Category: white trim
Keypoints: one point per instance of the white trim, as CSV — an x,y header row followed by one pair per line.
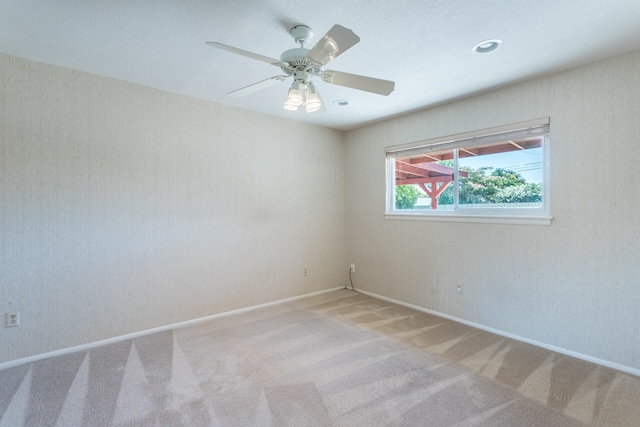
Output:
x,y
112,340
483,219
35,358
607,363
440,141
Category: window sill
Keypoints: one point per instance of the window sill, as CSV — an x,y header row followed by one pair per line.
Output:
x,y
482,219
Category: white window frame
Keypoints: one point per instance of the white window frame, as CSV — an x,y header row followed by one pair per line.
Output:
x,y
498,215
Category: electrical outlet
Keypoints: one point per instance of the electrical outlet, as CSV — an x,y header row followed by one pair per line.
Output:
x,y
353,268
12,319
305,273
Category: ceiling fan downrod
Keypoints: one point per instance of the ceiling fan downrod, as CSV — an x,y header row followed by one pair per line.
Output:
x,y
301,34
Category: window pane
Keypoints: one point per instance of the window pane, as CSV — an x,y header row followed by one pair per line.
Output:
x,y
504,174
421,181
499,175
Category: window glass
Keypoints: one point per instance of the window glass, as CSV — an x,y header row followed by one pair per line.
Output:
x,y
507,174
500,174
421,180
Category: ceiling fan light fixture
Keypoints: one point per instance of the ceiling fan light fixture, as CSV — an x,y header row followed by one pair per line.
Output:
x,y
310,108
312,100
295,95
289,106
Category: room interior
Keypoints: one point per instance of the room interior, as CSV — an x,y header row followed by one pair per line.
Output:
x,y
136,196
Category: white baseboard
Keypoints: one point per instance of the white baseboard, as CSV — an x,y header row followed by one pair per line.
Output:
x,y
94,344
608,364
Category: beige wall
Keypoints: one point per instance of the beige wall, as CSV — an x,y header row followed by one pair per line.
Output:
x,y
574,284
124,208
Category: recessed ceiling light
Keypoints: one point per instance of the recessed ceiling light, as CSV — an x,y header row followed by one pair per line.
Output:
x,y
487,46
341,102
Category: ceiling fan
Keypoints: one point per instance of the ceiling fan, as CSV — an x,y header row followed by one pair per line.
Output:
x,y
302,64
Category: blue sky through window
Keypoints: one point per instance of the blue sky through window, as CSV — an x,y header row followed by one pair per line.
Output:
x,y
528,163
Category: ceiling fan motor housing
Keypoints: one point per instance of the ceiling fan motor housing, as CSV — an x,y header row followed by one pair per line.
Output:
x,y
297,58
298,62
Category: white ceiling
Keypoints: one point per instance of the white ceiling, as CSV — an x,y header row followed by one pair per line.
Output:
x,y
423,45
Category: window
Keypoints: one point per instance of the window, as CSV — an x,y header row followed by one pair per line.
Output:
x,y
496,175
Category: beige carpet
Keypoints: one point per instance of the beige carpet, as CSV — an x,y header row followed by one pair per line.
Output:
x,y
337,359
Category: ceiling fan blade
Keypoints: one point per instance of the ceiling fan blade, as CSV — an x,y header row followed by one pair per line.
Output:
x,y
355,81
337,40
246,53
247,90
